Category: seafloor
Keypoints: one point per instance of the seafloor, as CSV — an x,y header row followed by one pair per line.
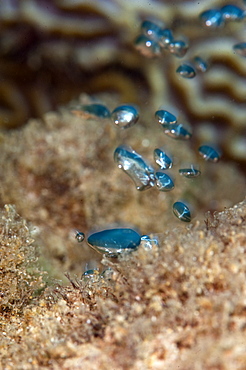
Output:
x,y
177,306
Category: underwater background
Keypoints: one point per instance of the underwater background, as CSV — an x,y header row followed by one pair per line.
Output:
x,y
177,303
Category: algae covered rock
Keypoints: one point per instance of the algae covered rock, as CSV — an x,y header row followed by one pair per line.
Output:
x,y
178,305
20,276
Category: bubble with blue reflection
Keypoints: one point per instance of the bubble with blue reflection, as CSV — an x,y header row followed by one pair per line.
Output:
x,y
178,48
181,211
190,172
151,30
125,116
97,110
163,117
165,38
209,153
162,159
135,167
80,236
163,181
186,71
212,18
147,47
177,131
200,64
113,242
232,12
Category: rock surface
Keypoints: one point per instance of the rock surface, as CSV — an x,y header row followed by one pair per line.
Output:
x,y
179,305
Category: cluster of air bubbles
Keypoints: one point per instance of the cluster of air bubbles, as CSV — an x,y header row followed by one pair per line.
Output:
x,y
143,174
155,38
115,242
137,168
112,243
172,128
189,69
215,18
123,116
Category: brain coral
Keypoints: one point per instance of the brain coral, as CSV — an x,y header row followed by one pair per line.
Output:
x,y
51,50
